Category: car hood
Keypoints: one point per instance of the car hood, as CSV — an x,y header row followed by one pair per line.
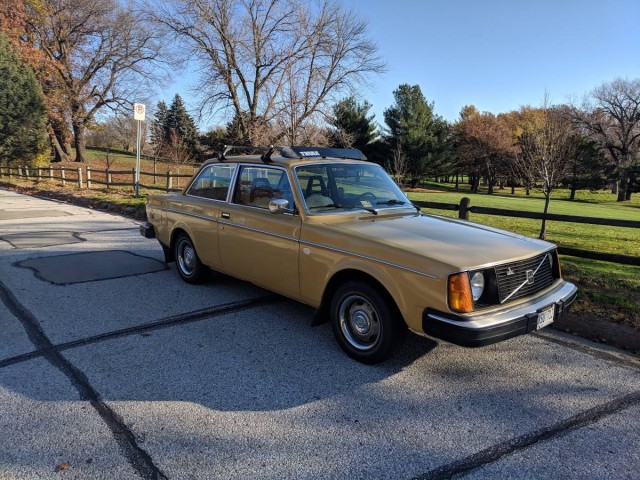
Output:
x,y
458,243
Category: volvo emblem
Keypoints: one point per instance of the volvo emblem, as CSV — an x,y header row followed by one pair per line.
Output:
x,y
530,277
510,272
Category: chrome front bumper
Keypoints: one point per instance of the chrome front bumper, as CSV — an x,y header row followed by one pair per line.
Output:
x,y
498,324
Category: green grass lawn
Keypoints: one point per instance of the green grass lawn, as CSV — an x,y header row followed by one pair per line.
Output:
x,y
606,290
588,237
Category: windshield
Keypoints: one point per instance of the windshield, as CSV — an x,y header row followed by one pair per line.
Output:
x,y
327,187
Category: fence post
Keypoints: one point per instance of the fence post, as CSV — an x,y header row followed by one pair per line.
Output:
x,y
133,176
39,174
26,169
62,175
465,205
19,171
50,173
79,177
169,181
108,178
10,172
88,177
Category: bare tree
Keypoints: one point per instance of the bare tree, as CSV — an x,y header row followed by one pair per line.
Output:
x,y
102,55
279,61
400,165
546,148
611,114
116,132
177,152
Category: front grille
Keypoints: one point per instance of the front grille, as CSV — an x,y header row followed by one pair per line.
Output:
x,y
512,276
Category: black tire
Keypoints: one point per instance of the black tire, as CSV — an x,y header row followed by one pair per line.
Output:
x,y
188,264
365,323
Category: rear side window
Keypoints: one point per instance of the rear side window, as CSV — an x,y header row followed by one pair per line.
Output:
x,y
257,186
212,182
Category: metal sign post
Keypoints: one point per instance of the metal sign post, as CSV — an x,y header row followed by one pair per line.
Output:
x,y
138,115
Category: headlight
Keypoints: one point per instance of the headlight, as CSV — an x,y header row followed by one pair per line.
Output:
x,y
477,285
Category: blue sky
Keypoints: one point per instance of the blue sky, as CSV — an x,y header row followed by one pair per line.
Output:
x,y
495,54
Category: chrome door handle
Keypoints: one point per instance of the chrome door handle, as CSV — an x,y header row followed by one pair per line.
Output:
x,y
225,215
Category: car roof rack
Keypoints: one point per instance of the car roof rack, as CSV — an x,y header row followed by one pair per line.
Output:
x,y
246,148
296,152
322,152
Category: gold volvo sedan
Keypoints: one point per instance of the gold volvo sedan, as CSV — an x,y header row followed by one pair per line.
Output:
x,y
327,228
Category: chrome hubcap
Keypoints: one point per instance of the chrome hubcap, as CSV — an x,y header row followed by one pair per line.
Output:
x,y
186,257
359,322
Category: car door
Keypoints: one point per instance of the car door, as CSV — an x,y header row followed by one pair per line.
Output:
x,y
255,244
204,199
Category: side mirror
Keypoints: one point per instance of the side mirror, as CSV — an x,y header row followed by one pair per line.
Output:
x,y
279,205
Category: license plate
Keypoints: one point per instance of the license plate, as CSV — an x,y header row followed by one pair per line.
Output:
x,y
545,317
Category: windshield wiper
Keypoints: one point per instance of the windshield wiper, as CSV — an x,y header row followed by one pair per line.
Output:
x,y
346,207
393,201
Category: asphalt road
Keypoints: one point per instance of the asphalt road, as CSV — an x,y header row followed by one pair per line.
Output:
x,y
111,367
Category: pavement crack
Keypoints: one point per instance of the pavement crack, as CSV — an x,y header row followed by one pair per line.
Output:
x,y
494,453
137,457
180,319
167,322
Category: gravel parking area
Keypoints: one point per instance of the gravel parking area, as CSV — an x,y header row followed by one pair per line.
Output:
x,y
112,367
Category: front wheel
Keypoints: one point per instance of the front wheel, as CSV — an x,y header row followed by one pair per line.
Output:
x,y
365,323
188,263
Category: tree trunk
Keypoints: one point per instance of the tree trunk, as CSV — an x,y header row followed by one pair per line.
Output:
x,y
630,185
543,228
476,184
63,136
622,187
456,181
79,141
59,155
572,197
491,183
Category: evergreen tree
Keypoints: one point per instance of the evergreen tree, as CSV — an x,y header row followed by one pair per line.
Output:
x,y
22,108
416,130
180,124
353,127
159,126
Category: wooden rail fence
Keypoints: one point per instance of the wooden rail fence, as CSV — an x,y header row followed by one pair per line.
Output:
x,y
86,177
464,208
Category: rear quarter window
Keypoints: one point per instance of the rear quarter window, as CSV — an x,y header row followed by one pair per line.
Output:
x,y
212,182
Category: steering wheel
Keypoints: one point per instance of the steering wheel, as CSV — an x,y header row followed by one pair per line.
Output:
x,y
367,195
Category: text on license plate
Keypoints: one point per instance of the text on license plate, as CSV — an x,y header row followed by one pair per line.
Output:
x,y
545,317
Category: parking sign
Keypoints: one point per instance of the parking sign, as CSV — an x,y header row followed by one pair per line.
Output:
x,y
138,111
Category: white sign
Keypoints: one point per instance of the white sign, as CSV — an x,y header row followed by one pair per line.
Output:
x,y
138,111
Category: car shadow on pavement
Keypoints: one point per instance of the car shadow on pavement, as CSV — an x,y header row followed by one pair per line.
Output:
x,y
267,358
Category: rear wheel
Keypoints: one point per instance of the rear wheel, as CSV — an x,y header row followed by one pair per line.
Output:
x,y
188,263
365,323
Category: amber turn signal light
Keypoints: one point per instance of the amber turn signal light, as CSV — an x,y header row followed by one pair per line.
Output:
x,y
460,293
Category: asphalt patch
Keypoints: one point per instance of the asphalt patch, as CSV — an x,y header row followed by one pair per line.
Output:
x,y
28,213
91,266
41,239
